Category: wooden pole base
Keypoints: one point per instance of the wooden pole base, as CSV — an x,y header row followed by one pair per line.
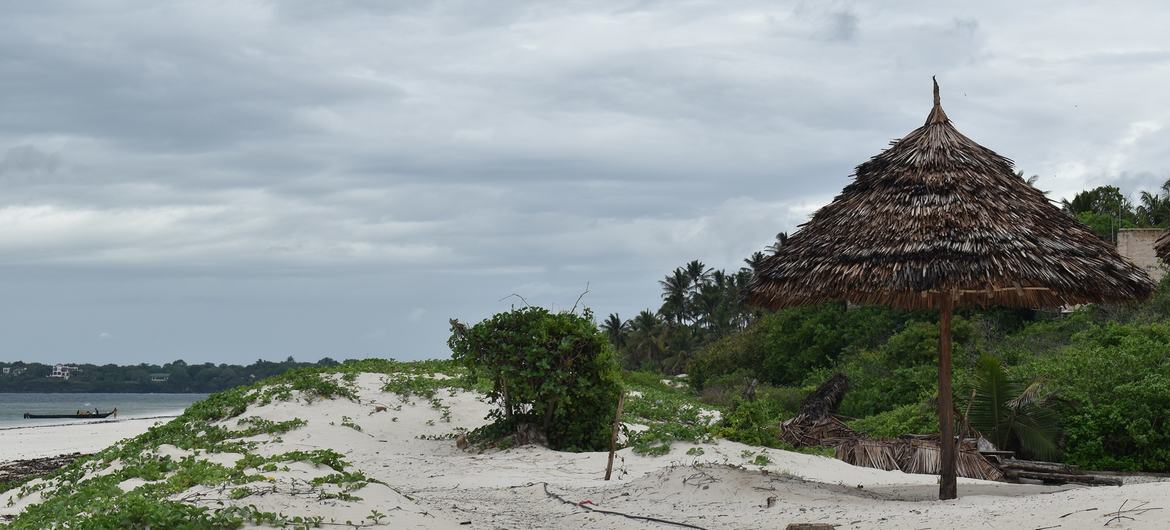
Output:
x,y
948,486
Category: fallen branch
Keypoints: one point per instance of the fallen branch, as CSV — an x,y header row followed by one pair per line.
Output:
x,y
626,515
1078,511
1122,513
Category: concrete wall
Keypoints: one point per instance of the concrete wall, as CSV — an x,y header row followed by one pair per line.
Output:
x,y
1137,244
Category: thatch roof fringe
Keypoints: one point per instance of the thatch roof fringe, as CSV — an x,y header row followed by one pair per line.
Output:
x,y
1162,246
937,215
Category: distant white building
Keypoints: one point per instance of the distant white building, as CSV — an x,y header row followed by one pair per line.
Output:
x,y
62,371
159,378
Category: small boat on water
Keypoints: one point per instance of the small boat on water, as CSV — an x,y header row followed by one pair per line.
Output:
x,y
79,415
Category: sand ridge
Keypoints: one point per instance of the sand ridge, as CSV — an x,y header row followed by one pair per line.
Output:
x,y
422,480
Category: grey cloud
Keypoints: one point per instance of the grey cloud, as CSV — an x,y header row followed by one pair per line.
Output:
x,y
264,178
842,26
27,159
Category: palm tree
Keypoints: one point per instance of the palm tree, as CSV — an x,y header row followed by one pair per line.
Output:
x,y
754,261
1013,416
615,328
698,273
674,295
781,240
647,339
1154,209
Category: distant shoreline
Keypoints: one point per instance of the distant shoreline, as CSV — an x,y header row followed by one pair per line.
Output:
x,y
94,422
29,392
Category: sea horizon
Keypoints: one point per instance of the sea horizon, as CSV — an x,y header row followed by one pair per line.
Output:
x,y
13,405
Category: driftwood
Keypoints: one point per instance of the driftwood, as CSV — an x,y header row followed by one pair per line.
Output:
x,y
1011,464
1062,478
1052,472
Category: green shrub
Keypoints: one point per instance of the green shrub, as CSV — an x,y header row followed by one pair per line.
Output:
x,y
555,371
907,419
753,423
1129,430
1116,379
781,348
876,387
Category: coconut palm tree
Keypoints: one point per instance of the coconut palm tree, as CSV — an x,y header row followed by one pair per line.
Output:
x,y
1154,208
1012,416
675,290
698,273
753,262
647,340
781,240
615,328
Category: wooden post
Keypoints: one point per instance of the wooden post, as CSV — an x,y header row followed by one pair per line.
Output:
x,y
613,434
948,488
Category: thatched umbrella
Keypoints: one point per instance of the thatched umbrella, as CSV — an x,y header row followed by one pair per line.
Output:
x,y
935,222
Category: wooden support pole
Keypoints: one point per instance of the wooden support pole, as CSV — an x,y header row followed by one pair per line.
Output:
x,y
948,488
617,418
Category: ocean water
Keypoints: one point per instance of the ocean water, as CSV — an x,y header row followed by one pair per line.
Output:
x,y
13,406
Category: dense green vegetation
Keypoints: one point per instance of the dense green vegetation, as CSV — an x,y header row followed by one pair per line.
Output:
x,y
173,377
1106,209
1091,387
553,371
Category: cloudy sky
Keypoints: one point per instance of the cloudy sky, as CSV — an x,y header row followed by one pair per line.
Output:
x,y
240,179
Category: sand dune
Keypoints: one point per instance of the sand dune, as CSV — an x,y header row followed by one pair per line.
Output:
x,y
430,483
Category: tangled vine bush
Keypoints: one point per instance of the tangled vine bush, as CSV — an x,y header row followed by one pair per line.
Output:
x,y
551,371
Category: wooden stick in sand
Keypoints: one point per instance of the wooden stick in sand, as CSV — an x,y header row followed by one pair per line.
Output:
x,y
613,435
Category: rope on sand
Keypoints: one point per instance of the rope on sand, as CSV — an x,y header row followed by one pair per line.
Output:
x,y
626,515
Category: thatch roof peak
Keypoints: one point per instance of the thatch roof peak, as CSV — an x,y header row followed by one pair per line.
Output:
x,y
936,114
936,215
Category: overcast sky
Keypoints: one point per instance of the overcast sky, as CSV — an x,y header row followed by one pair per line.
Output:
x,y
226,181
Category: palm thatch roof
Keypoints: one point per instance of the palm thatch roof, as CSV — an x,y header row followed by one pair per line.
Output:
x,y
939,215
1162,246
915,454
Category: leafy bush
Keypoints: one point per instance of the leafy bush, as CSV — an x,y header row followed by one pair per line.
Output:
x,y
753,422
1129,431
781,348
878,385
1116,378
915,418
555,371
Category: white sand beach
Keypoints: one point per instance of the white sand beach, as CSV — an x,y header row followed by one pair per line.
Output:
x,y
38,441
431,483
